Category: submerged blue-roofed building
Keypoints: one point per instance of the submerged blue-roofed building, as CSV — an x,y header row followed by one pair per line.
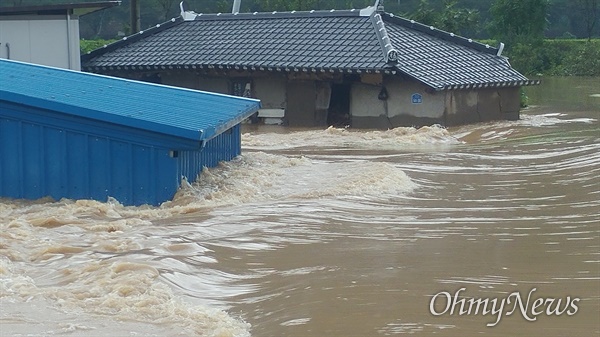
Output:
x,y
67,134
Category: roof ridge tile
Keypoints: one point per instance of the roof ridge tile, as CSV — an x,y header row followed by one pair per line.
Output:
x,y
390,54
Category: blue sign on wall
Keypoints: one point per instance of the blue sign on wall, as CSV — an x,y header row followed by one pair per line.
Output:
x,y
417,98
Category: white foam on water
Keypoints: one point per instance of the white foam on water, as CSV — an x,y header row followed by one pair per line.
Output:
x,y
119,291
39,318
59,267
130,291
260,176
297,321
499,130
343,138
252,177
12,283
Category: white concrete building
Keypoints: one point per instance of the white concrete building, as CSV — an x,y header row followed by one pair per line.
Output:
x,y
46,35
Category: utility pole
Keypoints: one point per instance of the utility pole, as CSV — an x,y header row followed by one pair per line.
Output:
x,y
135,16
236,6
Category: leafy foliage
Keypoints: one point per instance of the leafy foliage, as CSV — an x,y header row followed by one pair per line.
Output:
x,y
449,18
566,18
559,57
454,19
584,60
87,46
519,21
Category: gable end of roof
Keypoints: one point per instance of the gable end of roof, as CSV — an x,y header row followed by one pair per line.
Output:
x,y
131,39
438,33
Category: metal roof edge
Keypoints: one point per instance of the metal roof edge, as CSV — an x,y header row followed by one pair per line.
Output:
x,y
131,39
59,120
88,7
196,135
219,129
99,116
431,30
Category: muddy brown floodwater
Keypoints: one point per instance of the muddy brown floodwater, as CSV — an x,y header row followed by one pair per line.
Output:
x,y
335,233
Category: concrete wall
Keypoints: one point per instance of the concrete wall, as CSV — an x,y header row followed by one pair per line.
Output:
x,y
472,106
214,84
50,40
369,109
191,80
400,102
408,102
301,103
271,91
366,110
180,79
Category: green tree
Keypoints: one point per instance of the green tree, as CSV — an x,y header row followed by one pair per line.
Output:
x,y
424,14
165,7
519,21
449,18
589,9
453,19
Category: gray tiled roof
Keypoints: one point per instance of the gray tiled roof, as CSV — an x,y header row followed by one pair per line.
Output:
x,y
446,62
340,41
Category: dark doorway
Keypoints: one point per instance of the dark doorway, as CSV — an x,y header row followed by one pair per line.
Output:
x,y
339,105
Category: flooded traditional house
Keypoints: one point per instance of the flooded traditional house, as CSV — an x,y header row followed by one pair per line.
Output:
x,y
363,68
45,34
77,135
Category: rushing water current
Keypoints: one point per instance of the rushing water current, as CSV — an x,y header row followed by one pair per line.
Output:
x,y
333,232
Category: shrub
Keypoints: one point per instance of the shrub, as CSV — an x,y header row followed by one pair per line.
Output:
x,y
584,61
87,46
557,57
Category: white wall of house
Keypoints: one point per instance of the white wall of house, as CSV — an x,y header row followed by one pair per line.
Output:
x,y
271,91
214,84
364,101
304,102
181,79
405,98
51,40
411,98
472,106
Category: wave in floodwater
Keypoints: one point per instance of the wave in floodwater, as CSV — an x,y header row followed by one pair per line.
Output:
x,y
83,262
252,177
126,291
503,130
67,265
62,271
260,176
331,137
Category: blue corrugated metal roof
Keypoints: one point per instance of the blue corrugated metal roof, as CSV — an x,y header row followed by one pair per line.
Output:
x,y
178,112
